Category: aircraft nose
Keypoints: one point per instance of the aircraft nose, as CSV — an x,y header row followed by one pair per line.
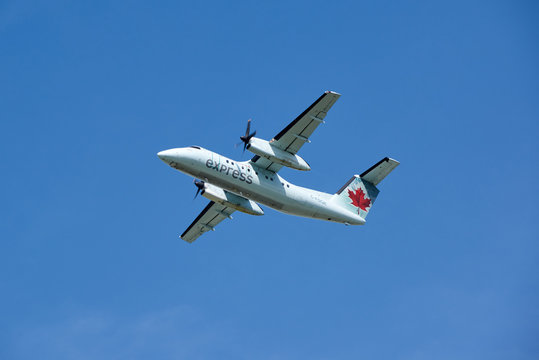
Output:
x,y
166,155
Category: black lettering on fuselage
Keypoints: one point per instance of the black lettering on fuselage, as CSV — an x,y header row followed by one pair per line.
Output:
x,y
235,173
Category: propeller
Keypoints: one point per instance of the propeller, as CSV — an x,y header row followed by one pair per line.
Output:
x,y
247,137
200,186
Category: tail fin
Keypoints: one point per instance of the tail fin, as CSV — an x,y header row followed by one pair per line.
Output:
x,y
360,192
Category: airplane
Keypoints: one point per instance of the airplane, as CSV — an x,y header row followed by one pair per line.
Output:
x,y
232,185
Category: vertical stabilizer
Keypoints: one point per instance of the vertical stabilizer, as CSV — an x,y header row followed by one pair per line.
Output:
x,y
360,192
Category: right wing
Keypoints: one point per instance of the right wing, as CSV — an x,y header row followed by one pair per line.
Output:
x,y
207,220
297,133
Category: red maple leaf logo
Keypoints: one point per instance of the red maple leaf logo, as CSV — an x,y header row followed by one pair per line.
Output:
x,y
359,199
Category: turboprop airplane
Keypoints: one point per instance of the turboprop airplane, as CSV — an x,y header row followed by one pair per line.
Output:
x,y
239,185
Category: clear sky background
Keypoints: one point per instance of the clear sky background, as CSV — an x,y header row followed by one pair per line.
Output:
x,y
91,266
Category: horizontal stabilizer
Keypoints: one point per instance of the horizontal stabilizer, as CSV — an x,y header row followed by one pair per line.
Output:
x,y
379,171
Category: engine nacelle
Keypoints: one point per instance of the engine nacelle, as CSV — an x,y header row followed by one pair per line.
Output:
x,y
221,196
265,149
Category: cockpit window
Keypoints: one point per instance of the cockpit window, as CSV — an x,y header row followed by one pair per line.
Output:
x,y
195,147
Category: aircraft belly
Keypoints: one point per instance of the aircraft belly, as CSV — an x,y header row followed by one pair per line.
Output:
x,y
251,191
293,200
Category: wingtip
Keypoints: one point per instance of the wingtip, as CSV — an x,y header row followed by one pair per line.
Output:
x,y
186,240
332,92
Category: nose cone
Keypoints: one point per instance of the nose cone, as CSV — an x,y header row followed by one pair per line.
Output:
x,y
167,155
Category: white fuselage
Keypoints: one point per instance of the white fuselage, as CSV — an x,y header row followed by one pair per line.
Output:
x,y
264,187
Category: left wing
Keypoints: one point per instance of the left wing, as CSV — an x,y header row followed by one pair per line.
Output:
x,y
297,133
207,220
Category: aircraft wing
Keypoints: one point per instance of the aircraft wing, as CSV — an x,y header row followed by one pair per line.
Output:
x,y
297,133
207,220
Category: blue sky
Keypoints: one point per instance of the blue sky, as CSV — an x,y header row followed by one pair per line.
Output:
x,y
91,266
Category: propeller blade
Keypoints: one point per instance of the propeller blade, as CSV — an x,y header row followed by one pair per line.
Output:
x,y
200,185
247,137
248,128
